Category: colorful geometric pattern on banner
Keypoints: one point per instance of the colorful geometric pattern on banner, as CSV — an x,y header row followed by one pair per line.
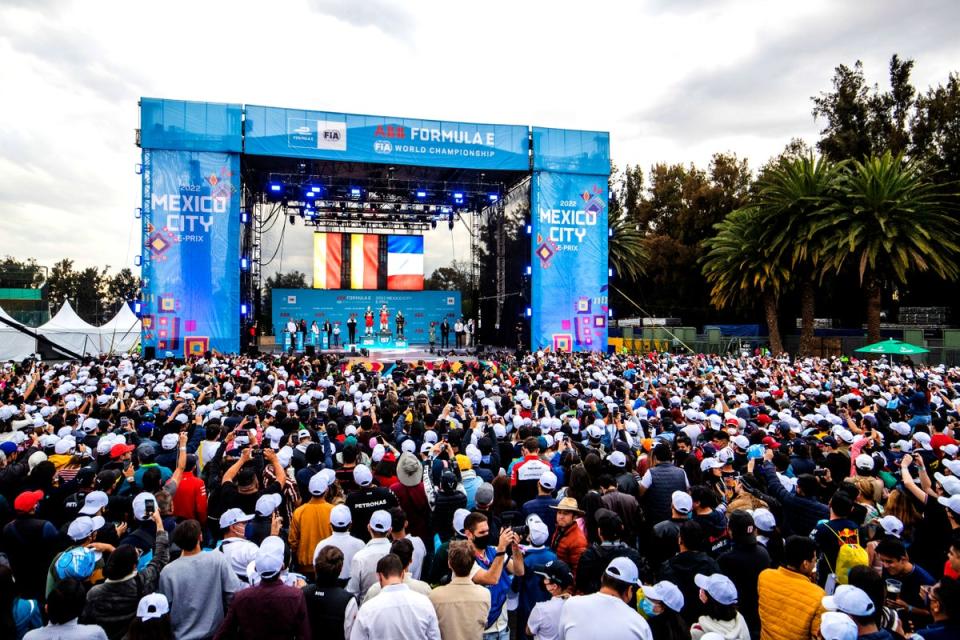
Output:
x,y
420,308
349,137
191,243
569,255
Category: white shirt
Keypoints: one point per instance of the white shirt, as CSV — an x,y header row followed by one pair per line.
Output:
x,y
345,542
544,619
398,614
291,327
419,553
363,568
580,616
239,552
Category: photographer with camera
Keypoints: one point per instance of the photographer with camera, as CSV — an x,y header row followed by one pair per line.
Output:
x,y
494,568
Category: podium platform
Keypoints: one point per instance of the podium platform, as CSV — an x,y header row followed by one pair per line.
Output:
x,y
383,340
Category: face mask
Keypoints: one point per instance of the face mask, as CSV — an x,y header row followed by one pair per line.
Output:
x,y
648,608
481,542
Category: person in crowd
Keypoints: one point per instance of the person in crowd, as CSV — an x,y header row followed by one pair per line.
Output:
x,y
568,540
944,604
790,588
543,622
363,566
310,524
340,524
30,544
719,597
331,608
462,606
152,619
857,604
598,555
662,604
683,568
403,549
270,608
64,606
659,483
743,562
196,572
494,568
582,616
17,615
113,603
398,612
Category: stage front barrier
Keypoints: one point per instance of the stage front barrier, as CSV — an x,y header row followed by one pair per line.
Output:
x,y
419,308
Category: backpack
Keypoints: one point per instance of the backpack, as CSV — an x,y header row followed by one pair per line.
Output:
x,y
851,554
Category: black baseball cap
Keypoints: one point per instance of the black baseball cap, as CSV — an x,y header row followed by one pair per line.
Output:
x,y
556,571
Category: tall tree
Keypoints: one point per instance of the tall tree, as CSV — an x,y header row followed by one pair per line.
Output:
x,y
89,295
20,274
739,269
795,199
860,120
891,221
61,284
120,288
935,128
455,277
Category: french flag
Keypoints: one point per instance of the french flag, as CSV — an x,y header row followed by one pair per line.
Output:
x,y
405,263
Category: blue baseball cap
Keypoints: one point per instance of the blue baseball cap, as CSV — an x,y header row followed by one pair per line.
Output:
x,y
77,563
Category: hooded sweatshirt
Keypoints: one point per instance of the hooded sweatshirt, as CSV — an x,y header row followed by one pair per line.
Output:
x,y
735,629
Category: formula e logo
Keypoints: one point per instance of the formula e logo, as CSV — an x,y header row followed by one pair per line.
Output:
x,y
382,146
302,131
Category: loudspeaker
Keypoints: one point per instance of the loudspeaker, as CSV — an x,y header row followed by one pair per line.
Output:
x,y
150,353
311,350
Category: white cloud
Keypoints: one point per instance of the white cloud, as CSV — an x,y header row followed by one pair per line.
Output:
x,y
672,81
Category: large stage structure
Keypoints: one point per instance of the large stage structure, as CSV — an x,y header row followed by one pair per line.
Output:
x,y
216,176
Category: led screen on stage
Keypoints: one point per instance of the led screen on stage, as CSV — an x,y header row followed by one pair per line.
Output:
x,y
367,261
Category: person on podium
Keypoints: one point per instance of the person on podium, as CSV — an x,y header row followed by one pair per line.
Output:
x,y
368,322
399,320
352,328
444,334
328,329
384,319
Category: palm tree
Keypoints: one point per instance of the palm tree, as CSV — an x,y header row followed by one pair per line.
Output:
x,y
793,198
625,247
891,220
737,267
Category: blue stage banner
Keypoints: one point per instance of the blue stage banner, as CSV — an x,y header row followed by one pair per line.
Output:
x,y
419,308
569,255
325,135
191,244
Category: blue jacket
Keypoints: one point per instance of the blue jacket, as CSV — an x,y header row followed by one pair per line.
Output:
x,y
800,513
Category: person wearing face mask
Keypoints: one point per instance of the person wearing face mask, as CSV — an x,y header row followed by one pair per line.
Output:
x,y
545,616
494,568
581,615
662,604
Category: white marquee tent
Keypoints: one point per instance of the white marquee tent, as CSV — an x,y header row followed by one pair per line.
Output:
x,y
70,331
122,333
14,345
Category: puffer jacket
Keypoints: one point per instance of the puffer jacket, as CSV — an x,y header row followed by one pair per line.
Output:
x,y
782,590
569,543
113,604
735,629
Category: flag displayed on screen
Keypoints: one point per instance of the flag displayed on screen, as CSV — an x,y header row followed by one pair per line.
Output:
x,y
327,260
363,260
405,263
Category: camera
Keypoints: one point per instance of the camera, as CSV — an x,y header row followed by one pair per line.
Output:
x,y
522,530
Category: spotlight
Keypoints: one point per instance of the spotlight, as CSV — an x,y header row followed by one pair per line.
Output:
x,y
244,263
610,272
529,312
529,229
137,307
244,217
276,187
354,192
494,197
421,194
529,270
458,197
244,309
314,189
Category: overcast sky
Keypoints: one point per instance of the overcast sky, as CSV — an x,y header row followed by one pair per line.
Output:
x,y
671,80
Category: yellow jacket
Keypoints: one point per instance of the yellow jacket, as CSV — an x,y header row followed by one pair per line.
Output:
x,y
790,605
310,524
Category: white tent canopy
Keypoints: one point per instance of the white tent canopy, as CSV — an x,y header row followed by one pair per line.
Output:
x,y
14,345
70,331
121,334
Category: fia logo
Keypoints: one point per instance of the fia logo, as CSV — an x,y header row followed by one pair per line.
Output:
x,y
382,146
331,135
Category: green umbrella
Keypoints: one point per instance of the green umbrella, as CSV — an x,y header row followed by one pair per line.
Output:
x,y
892,347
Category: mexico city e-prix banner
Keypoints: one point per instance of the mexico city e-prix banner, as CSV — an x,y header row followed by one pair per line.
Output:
x,y
191,240
569,270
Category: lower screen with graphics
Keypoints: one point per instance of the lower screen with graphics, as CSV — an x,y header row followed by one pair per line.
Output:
x,y
367,261
419,308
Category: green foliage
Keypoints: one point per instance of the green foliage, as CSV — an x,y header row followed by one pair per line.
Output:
x,y
20,274
455,277
291,280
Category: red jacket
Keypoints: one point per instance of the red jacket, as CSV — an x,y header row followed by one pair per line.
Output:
x,y
190,500
569,545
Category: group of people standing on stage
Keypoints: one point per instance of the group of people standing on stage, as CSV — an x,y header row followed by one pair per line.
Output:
x,y
464,331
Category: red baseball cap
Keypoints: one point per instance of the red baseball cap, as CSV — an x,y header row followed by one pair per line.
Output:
x,y
27,500
770,442
120,449
764,419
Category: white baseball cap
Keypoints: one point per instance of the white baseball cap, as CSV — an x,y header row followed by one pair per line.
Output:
x,y
232,516
380,521
624,570
318,484
666,592
617,459
764,520
83,527
837,626
140,505
362,475
864,461
710,463
950,484
152,606
850,600
718,586
548,480
170,441
94,502
268,503
891,525
682,502
340,516
269,558
952,503
538,530
458,518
